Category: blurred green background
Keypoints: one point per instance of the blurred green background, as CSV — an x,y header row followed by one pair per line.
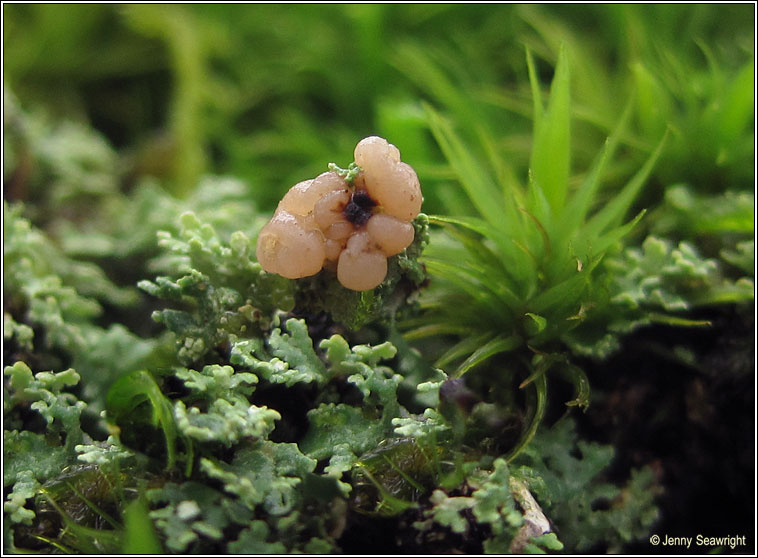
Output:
x,y
271,93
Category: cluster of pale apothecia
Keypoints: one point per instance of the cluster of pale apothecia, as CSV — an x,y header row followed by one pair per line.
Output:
x,y
326,221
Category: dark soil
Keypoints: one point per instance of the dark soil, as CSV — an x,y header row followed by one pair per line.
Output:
x,y
693,423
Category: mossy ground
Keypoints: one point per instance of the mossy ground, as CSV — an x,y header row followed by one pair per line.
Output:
x,y
147,145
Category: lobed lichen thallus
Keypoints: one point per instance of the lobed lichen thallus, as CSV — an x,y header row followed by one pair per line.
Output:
x,y
327,221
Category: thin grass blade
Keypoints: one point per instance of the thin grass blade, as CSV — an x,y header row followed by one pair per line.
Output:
x,y
579,205
568,290
479,186
473,283
514,265
535,85
613,213
484,259
487,351
540,390
464,347
610,238
551,152
432,330
581,383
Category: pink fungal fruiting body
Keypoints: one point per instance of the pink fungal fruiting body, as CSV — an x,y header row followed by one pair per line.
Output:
x,y
328,221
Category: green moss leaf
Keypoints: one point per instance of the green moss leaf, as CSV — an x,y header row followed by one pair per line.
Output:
x,y
742,257
225,421
572,488
61,410
254,540
539,545
392,477
193,512
265,474
551,153
139,535
25,487
296,349
229,295
673,279
285,358
429,425
334,425
27,452
685,212
22,333
136,398
447,510
227,416
217,382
